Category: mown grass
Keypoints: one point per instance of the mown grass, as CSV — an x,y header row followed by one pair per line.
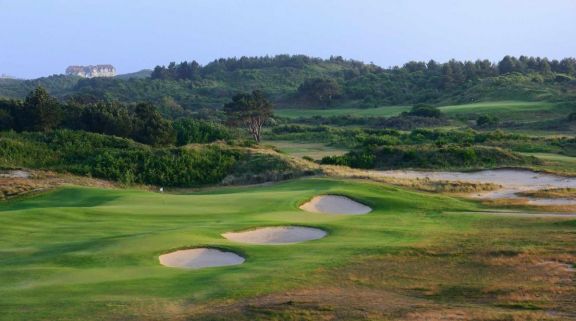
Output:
x,y
385,111
505,110
91,254
500,107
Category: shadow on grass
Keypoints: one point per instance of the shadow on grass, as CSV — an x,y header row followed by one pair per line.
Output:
x,y
64,197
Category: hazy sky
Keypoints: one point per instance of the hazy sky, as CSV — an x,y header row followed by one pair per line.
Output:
x,y
43,37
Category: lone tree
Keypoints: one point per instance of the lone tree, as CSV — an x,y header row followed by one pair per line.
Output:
x,y
249,110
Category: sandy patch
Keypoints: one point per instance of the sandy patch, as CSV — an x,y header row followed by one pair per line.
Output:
x,y
276,235
334,204
200,258
14,174
513,182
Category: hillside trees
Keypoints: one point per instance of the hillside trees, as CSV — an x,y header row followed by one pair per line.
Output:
x,y
320,90
178,89
40,112
250,111
190,131
105,118
150,128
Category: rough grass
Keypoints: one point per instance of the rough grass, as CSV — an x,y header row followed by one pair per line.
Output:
x,y
555,163
551,193
315,151
385,111
41,181
524,203
461,277
262,165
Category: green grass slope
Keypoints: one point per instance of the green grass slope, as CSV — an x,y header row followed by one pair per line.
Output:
x,y
91,254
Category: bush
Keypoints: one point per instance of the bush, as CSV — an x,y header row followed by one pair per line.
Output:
x,y
116,158
487,121
190,131
430,157
425,111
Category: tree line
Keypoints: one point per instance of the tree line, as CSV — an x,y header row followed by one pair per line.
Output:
x,y
141,122
193,70
319,83
414,82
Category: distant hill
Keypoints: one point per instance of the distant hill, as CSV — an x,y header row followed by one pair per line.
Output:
x,y
297,80
57,85
144,73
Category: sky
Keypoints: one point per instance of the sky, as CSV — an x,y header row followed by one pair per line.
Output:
x,y
43,37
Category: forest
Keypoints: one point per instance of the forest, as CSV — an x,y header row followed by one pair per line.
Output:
x,y
320,83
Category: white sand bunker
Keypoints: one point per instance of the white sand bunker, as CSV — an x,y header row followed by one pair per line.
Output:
x,y
334,204
276,235
200,258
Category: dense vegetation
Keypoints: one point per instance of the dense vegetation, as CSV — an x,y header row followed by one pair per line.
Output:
x,y
168,110
299,79
430,157
140,122
426,148
115,158
403,122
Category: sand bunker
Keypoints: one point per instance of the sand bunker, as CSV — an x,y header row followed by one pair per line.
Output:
x,y
200,258
276,235
333,204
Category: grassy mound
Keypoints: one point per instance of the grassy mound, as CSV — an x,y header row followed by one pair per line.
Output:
x,y
264,165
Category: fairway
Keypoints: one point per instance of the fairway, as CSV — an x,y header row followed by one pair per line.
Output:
x,y
499,107
94,253
511,110
386,111
519,110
